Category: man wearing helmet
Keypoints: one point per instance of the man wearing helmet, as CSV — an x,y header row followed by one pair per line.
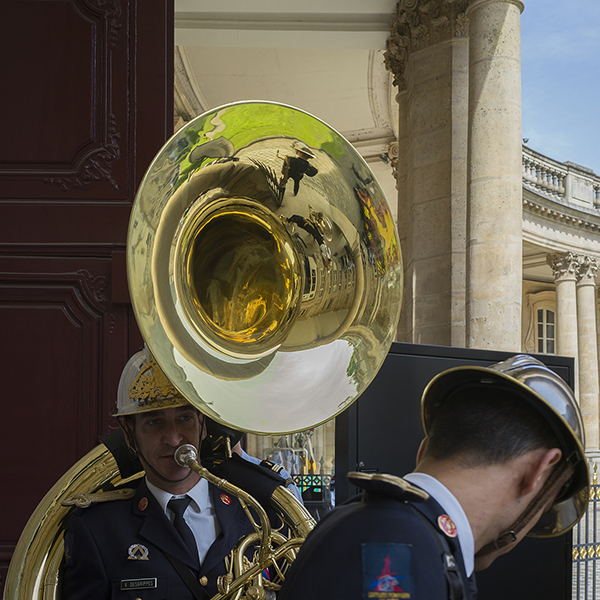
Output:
x,y
171,536
503,458
157,420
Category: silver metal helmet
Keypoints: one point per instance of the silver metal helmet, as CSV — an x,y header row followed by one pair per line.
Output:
x,y
144,387
302,147
551,396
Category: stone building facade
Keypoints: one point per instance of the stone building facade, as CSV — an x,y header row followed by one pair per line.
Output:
x,y
501,244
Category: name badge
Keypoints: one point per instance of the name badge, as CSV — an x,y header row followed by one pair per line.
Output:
x,y
138,584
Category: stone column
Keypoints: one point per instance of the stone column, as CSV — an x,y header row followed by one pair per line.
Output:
x,y
588,349
565,268
428,54
403,215
494,185
598,324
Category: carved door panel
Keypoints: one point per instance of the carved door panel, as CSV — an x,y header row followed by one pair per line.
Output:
x,y
86,104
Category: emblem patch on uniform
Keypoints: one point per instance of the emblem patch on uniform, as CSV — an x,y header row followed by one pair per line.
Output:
x,y
137,552
143,504
386,571
138,584
446,524
225,499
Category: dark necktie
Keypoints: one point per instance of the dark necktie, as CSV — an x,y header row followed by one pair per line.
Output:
x,y
178,506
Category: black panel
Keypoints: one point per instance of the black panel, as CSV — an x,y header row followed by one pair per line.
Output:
x,y
382,432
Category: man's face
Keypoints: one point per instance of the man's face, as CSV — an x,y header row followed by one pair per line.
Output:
x,y
158,434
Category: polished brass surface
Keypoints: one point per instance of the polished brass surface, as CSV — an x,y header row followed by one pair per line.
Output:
x,y
264,267
266,279
33,570
283,554
273,546
237,281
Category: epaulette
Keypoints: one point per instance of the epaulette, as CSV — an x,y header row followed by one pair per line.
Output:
x,y
85,500
276,468
391,486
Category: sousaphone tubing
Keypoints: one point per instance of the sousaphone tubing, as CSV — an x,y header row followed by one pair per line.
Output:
x,y
266,278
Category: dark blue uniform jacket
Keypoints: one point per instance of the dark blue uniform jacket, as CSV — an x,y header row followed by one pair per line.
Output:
x,y
379,547
101,539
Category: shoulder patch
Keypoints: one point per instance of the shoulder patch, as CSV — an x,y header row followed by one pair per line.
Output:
x,y
85,500
388,485
386,571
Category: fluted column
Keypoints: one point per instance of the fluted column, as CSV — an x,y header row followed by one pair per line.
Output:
x,y
565,267
587,349
404,230
494,185
428,54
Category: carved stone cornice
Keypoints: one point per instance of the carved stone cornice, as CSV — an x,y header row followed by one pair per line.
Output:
x,y
419,24
578,219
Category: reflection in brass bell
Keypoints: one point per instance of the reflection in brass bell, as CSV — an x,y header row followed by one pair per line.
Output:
x,y
264,267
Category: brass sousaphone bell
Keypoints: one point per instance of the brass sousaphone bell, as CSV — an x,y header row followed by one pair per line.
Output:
x,y
264,267
265,274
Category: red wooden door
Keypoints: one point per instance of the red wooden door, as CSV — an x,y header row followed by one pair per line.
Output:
x,y
86,104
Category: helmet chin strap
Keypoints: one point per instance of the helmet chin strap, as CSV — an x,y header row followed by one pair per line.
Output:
x,y
563,472
132,445
147,465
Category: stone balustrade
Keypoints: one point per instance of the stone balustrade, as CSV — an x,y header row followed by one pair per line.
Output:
x,y
566,181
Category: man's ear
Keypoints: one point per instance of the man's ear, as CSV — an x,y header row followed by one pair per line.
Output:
x,y
421,451
128,430
542,464
203,430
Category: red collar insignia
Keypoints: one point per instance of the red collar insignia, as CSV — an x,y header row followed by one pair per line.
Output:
x,y
446,524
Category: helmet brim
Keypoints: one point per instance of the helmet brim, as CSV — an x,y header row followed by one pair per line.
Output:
x,y
548,394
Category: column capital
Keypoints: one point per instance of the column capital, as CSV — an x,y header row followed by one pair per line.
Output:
x,y
565,265
420,24
588,267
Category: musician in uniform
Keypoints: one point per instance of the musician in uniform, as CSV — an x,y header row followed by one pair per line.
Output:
x,y
503,457
296,167
172,536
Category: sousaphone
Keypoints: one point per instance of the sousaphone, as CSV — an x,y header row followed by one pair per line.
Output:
x,y
266,278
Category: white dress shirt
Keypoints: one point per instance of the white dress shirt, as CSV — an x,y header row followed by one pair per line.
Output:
x,y
199,515
442,495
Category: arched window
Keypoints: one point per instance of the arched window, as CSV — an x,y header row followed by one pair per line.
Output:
x,y
539,323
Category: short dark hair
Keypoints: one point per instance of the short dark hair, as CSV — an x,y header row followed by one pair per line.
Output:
x,y
486,426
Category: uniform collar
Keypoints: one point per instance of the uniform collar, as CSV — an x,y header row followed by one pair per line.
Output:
x,y
442,495
199,495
